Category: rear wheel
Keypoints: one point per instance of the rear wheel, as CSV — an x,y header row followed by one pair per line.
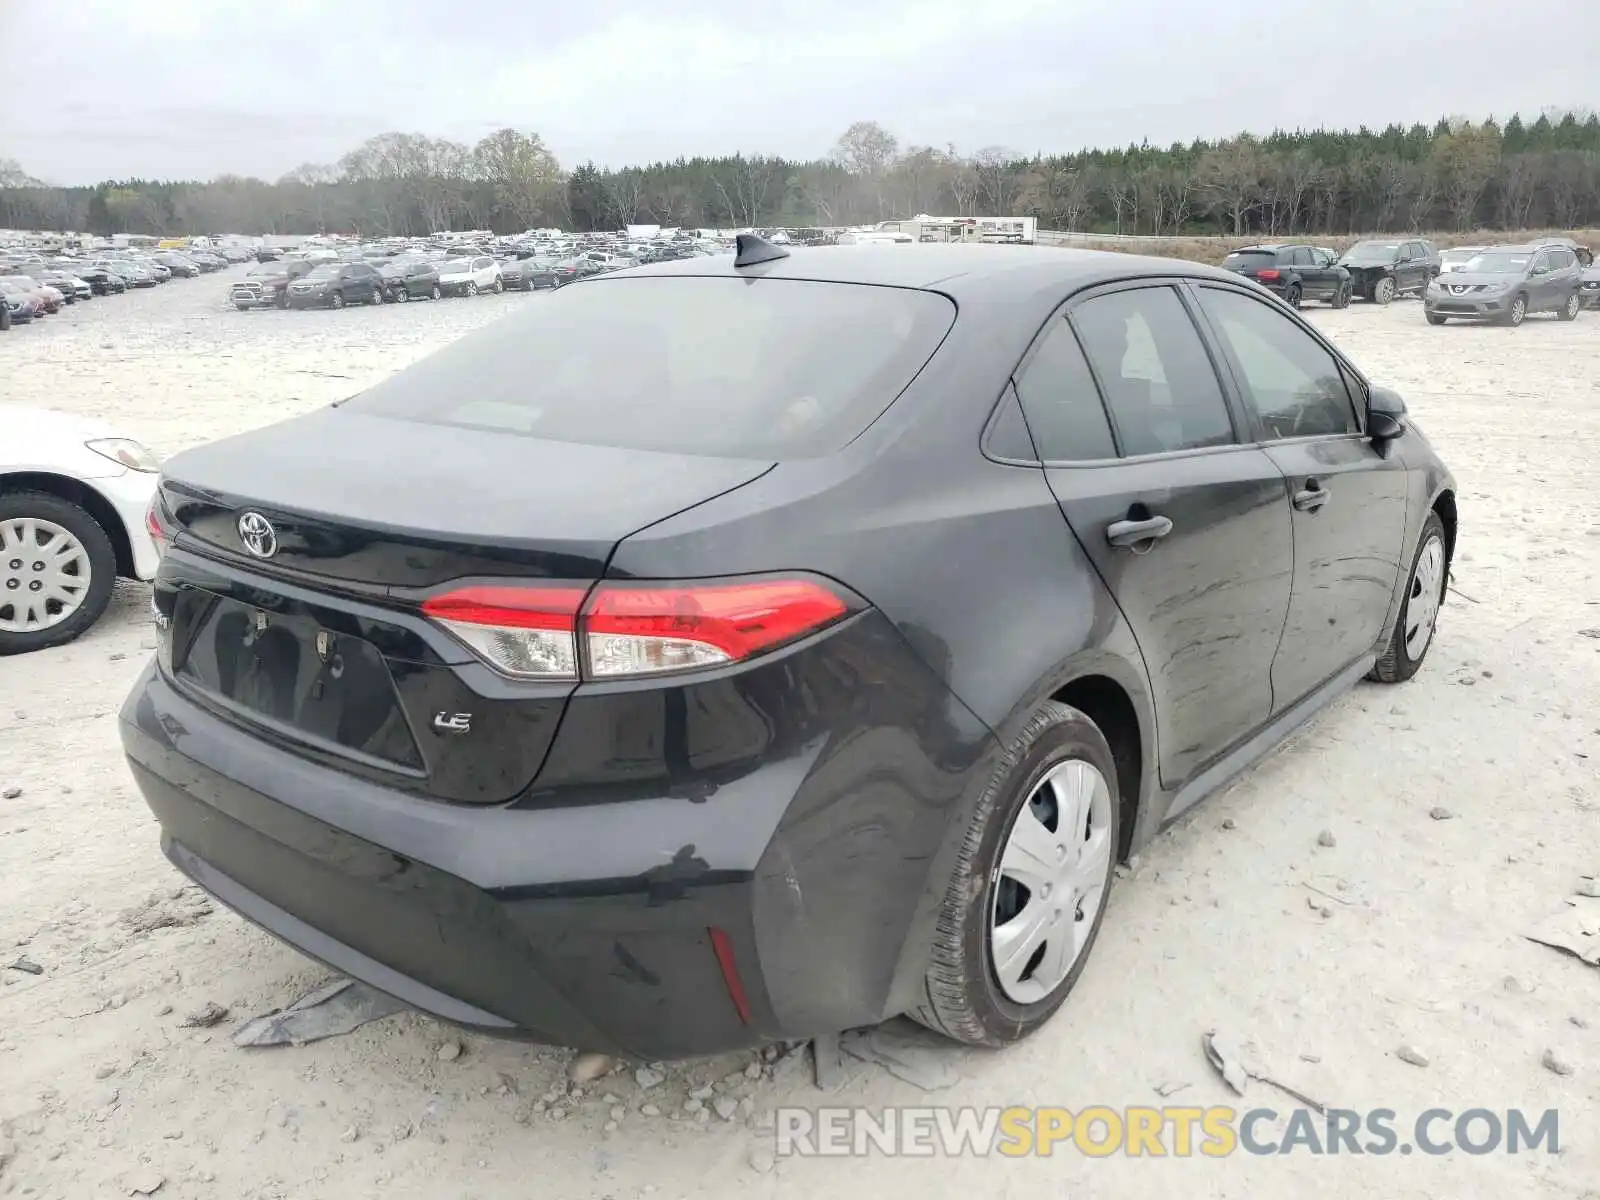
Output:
x,y
1413,628
56,571
1518,311
1569,311
499,286
1383,291
472,289
1292,295
1024,904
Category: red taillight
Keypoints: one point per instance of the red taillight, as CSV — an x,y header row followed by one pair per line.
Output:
x,y
1269,273
639,630
153,526
628,629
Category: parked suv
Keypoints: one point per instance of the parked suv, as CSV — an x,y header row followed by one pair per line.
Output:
x,y
1591,286
409,279
1381,270
336,284
633,701
1507,283
1294,273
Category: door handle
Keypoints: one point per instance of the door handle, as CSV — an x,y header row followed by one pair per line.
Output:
x,y
1128,534
1312,497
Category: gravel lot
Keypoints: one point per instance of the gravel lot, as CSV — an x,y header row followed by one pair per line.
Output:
x,y
102,1086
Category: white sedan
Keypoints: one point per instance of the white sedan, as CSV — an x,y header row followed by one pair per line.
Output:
x,y
74,502
469,276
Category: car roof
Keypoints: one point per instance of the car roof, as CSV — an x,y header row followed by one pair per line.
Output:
x,y
953,269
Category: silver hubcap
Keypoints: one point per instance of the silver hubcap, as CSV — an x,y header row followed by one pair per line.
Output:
x,y
1517,309
1572,306
1427,586
44,574
1051,882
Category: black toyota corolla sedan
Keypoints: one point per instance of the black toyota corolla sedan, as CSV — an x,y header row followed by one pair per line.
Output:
x,y
799,644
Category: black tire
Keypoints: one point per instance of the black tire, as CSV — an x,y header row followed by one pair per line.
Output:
x,y
498,286
376,298
1341,297
1569,311
336,300
5,316
1436,319
102,568
435,292
283,300
1518,312
1292,295
963,999
402,295
1395,664
1385,290
242,307
472,288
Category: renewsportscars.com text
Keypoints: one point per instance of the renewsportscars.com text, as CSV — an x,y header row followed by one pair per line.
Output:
x,y
1157,1132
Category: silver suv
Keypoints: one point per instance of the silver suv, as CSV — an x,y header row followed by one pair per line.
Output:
x,y
1506,283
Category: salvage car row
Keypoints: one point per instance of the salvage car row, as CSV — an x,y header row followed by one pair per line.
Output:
x,y
35,285
1501,284
398,272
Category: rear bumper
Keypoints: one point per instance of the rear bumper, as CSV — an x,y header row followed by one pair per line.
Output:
x,y
590,924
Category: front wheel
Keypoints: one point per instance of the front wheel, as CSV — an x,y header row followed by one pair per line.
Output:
x,y
56,571
1518,312
435,292
1023,907
1384,291
499,286
401,295
1419,611
472,289
1569,311
1435,319
376,297
1341,298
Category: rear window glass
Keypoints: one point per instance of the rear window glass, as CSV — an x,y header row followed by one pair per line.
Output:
x,y
740,368
1253,258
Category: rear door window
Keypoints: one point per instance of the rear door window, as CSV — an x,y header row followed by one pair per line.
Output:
x,y
1153,369
734,367
1061,403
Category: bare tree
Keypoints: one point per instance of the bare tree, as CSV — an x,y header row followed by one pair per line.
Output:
x,y
1230,178
995,181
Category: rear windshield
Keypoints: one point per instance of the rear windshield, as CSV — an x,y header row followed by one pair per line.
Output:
x,y
1250,258
739,368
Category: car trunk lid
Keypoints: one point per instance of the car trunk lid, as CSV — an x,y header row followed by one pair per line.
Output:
x,y
301,555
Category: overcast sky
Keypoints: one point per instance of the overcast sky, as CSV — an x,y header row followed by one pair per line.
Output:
x,y
195,88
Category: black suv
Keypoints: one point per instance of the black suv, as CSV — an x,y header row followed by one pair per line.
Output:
x,y
1294,273
336,284
1382,269
409,279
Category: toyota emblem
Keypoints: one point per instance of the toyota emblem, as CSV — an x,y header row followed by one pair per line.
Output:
x,y
258,535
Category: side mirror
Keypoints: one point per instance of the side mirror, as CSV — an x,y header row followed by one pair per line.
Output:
x,y
1386,414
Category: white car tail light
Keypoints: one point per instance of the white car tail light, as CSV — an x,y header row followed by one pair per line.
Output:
x,y
628,630
524,632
